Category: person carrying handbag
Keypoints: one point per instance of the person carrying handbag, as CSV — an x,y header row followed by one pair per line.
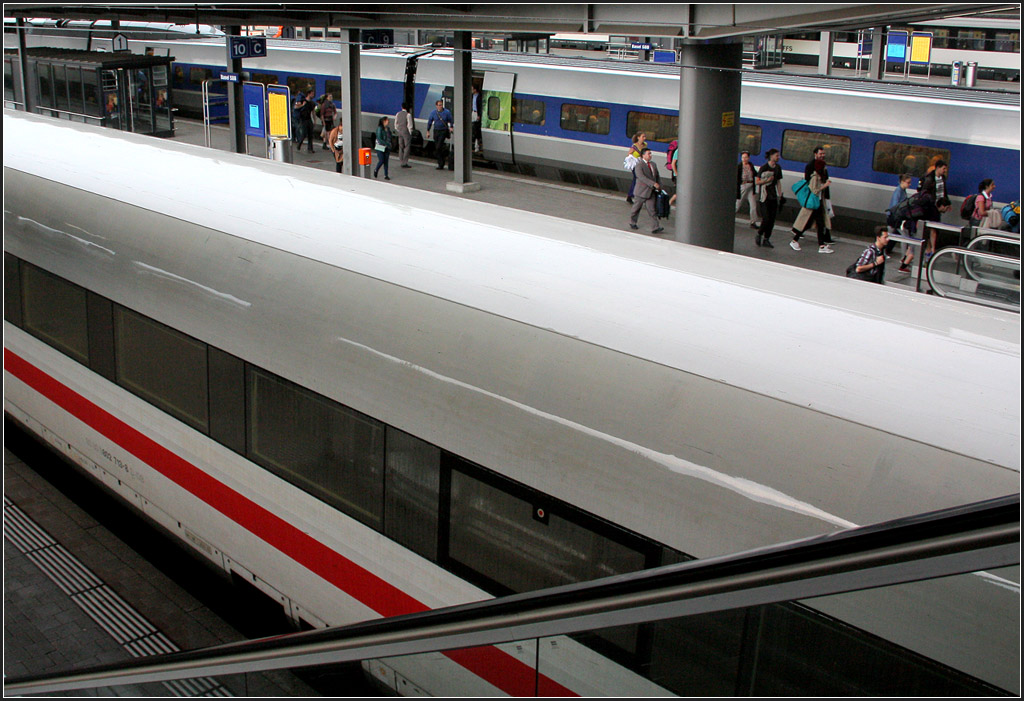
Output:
x,y
817,210
382,146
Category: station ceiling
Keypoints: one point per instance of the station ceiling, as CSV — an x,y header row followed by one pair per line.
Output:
x,y
698,21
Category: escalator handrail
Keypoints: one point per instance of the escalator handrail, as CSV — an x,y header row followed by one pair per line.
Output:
x,y
1009,261
958,540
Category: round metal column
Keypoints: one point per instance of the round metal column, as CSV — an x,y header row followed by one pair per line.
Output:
x,y
709,128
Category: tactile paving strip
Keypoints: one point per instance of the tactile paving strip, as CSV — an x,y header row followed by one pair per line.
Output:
x,y
130,629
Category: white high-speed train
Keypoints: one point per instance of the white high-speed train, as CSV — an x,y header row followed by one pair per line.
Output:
x,y
572,119
432,401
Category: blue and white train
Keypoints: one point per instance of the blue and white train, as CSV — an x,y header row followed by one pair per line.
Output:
x,y
433,401
572,119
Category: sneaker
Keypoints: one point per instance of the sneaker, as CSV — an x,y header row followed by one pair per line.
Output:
x,y
754,225
757,240
904,268
658,230
629,199
387,178
767,244
795,245
633,226
825,249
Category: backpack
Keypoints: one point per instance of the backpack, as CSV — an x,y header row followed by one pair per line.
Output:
x,y
967,208
672,146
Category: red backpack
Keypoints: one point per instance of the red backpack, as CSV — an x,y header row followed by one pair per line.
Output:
x,y
672,146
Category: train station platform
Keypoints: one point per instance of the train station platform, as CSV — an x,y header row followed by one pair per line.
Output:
x,y
76,595
574,202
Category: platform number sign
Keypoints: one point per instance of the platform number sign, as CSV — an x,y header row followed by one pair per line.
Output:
x,y
119,42
247,47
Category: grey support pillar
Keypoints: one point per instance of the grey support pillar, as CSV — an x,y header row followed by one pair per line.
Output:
x,y
351,101
825,52
463,137
709,136
876,67
26,92
236,110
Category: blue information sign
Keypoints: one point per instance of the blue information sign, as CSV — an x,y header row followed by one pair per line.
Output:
x,y
247,47
896,47
254,103
640,46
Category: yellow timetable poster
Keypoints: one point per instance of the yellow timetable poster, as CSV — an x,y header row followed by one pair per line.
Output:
x,y
277,114
921,48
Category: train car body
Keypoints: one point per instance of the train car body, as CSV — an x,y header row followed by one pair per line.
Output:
x,y
433,401
571,119
992,44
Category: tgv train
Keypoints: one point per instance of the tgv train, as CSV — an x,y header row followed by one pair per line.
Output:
x,y
571,119
432,401
993,43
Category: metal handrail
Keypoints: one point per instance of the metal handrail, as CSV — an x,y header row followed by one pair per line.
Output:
x,y
953,541
1007,261
995,238
42,110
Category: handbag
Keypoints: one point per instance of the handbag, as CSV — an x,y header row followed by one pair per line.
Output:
x,y
804,196
380,147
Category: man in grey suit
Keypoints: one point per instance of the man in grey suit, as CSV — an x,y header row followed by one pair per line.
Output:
x,y
648,184
404,125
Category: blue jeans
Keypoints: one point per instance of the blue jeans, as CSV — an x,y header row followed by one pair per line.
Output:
x,y
382,160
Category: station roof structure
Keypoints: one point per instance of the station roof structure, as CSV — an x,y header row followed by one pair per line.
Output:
x,y
694,21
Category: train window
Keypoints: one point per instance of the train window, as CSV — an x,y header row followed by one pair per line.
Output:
x,y
1008,42
523,542
334,453
265,78
494,108
163,366
750,139
698,655
101,336
333,87
227,400
54,310
970,39
12,289
896,158
657,127
527,111
197,75
411,488
300,84
799,146
593,120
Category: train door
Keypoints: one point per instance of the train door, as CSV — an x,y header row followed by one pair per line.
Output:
x,y
496,120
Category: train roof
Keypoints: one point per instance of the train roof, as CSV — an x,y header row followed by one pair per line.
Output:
x,y
798,336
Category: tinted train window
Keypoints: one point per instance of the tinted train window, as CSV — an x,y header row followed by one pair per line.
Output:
x,y
411,487
519,544
527,111
657,127
198,75
750,139
265,78
593,120
333,87
55,311
12,289
163,366
799,146
896,158
300,84
494,108
334,453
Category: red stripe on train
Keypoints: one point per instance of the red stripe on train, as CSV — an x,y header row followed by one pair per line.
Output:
x,y
489,663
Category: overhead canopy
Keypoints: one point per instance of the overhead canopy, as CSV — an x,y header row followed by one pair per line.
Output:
x,y
699,21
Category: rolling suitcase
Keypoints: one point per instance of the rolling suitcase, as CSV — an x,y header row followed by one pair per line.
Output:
x,y
661,206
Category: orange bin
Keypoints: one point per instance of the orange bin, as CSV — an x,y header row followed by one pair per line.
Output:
x,y
364,156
